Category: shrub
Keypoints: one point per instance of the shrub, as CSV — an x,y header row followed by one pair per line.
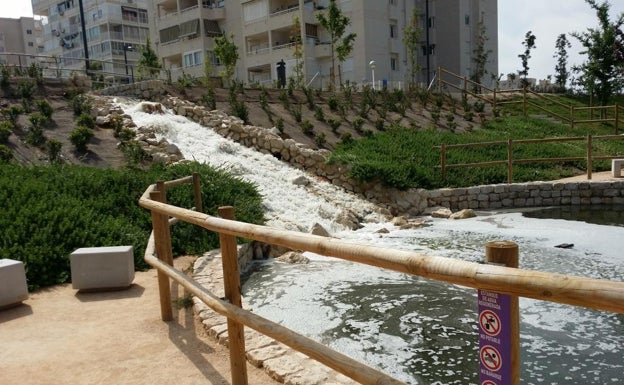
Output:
x,y
208,99
332,102
80,137
468,116
86,119
320,139
279,124
357,124
5,76
318,114
116,122
35,71
5,157
53,148
334,124
296,112
25,89
346,137
6,128
35,130
239,109
77,206
12,113
479,106
81,104
307,128
309,93
45,108
126,134
134,153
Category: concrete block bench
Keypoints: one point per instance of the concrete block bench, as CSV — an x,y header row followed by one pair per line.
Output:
x,y
94,268
616,167
13,287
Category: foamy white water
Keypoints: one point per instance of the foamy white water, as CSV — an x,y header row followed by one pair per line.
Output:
x,y
286,205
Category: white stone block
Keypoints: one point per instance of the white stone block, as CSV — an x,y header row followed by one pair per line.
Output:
x,y
616,167
102,267
13,287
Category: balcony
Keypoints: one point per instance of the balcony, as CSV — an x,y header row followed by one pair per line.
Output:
x,y
320,50
212,13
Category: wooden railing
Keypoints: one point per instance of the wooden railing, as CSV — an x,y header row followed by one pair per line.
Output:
x,y
574,114
589,158
577,291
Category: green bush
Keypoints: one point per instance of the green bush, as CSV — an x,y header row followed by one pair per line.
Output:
x,y
5,154
51,211
80,137
296,112
6,128
45,108
318,114
86,119
357,124
320,139
53,148
279,124
81,104
334,124
12,113
332,102
307,128
26,89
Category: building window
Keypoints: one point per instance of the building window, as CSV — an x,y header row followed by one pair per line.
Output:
x,y
394,31
392,2
431,22
431,50
213,58
394,63
467,19
31,44
29,32
192,59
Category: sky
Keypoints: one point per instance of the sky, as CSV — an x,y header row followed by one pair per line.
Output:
x,y
547,19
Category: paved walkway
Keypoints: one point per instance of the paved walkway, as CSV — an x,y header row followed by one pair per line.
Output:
x,y
59,336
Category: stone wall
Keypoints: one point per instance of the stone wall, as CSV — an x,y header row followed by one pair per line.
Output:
x,y
533,194
147,90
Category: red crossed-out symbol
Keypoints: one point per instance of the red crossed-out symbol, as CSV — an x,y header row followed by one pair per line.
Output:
x,y
488,382
490,322
491,358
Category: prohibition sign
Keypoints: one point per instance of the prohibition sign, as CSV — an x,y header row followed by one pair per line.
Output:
x,y
490,322
488,382
491,358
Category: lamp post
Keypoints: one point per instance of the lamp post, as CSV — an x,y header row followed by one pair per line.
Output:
x,y
126,48
372,65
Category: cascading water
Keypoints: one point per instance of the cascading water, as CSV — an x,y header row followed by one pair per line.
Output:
x,y
420,331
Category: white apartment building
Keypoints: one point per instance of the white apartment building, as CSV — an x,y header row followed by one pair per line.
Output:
x,y
19,36
114,30
263,31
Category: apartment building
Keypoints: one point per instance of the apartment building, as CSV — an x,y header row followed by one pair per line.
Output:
x,y
114,30
264,32
19,36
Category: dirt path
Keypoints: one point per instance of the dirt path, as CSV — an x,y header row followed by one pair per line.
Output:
x,y
60,336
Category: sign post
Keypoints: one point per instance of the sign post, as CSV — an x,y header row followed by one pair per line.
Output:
x,y
499,324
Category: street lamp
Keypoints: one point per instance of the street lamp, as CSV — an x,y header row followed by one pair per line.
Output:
x,y
372,65
126,48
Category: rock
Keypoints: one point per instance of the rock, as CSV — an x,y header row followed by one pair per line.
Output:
x,y
565,245
414,224
293,257
383,230
463,214
348,219
301,181
399,221
103,121
172,149
152,108
442,213
317,229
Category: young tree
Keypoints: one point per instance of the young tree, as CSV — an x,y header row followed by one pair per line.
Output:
x,y
227,53
335,22
600,73
148,63
295,37
561,68
480,56
528,44
411,39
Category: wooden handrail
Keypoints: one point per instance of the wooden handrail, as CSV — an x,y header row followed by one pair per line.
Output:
x,y
577,291
510,161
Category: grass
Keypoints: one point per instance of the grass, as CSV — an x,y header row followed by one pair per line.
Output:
x,y
406,158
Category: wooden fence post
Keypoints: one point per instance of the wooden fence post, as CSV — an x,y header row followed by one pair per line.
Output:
x,y
617,119
524,101
162,245
443,160
197,192
571,116
589,157
506,253
231,281
510,161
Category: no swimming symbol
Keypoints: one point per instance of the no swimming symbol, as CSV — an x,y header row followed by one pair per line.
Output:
x,y
491,358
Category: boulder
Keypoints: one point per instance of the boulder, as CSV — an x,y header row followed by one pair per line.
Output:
x,y
463,214
383,230
293,257
348,219
301,181
317,229
442,213
399,221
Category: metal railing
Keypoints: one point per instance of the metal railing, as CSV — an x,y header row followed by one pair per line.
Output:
x,y
592,293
